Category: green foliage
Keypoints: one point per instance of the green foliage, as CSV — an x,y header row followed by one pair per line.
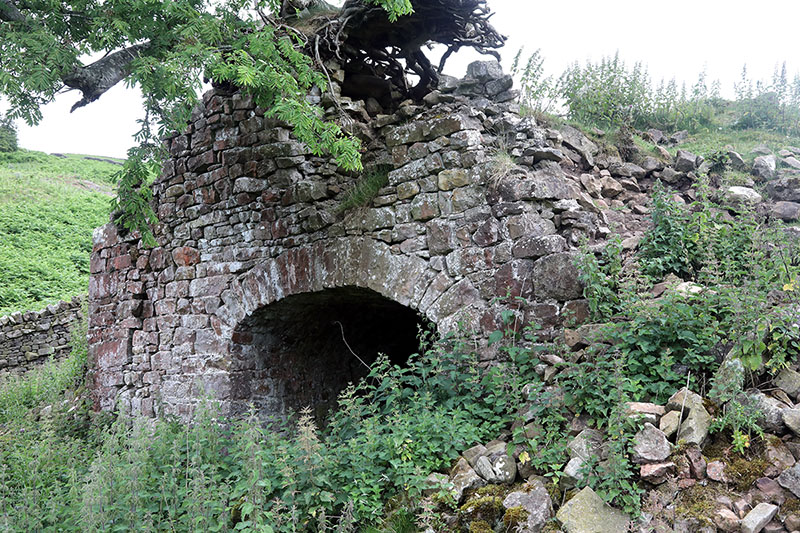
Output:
x,y
664,340
773,105
589,384
741,414
390,432
539,94
610,94
545,446
45,384
42,422
742,261
49,207
601,276
185,39
365,189
606,93
615,477
8,136
740,417
674,244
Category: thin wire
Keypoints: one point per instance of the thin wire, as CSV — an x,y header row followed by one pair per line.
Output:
x,y
349,348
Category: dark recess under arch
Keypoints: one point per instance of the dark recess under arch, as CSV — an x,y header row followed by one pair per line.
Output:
x,y
291,354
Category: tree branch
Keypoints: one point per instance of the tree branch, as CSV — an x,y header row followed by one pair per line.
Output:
x,y
9,12
95,79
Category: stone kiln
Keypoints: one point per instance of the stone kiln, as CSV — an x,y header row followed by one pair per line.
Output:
x,y
259,283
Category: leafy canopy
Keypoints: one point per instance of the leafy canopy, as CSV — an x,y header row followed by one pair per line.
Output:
x,y
165,47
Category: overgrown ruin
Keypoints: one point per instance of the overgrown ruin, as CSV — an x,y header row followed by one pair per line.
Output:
x,y
260,280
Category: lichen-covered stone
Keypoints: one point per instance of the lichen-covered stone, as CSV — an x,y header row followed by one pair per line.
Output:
x,y
535,501
586,512
758,517
650,445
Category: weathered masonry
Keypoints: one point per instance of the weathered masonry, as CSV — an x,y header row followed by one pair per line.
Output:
x,y
263,292
33,337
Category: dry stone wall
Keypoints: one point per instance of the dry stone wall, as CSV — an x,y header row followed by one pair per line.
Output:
x,y
250,221
33,337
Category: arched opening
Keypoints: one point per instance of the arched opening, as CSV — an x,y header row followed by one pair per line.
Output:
x,y
304,349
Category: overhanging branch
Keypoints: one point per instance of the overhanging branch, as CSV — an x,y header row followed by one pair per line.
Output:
x,y
96,78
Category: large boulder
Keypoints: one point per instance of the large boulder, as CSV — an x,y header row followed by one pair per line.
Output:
x,y
788,381
500,469
770,411
557,277
785,189
586,512
786,211
743,195
587,444
697,420
758,517
485,70
791,418
535,501
790,479
685,161
764,167
575,140
737,161
464,478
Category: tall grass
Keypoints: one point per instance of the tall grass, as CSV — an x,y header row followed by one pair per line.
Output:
x,y
49,207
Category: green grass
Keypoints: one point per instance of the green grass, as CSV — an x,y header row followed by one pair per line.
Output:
x,y
742,141
365,189
49,207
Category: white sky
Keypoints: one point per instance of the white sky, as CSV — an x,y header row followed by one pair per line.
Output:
x,y
677,39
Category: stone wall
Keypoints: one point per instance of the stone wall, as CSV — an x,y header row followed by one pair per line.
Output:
x,y
33,337
250,221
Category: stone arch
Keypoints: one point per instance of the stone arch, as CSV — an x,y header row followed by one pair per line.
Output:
x,y
343,262
395,287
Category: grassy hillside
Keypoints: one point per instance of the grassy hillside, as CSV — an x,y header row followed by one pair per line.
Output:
x,y
49,206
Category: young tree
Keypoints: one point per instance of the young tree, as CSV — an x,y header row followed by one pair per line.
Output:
x,y
167,47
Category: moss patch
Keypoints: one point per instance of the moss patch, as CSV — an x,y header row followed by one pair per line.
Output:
x,y
480,526
551,527
514,517
742,472
492,490
482,508
790,506
698,502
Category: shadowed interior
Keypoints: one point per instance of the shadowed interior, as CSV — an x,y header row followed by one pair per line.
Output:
x,y
294,353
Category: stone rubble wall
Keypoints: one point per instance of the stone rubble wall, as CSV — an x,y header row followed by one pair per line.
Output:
x,y
29,339
249,217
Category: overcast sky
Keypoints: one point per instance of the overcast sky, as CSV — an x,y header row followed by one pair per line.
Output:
x,y
677,39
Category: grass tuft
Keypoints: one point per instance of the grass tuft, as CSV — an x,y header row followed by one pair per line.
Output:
x,y
365,189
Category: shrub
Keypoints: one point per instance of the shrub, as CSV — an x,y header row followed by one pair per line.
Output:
x,y
539,94
602,278
609,94
664,341
390,432
674,244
